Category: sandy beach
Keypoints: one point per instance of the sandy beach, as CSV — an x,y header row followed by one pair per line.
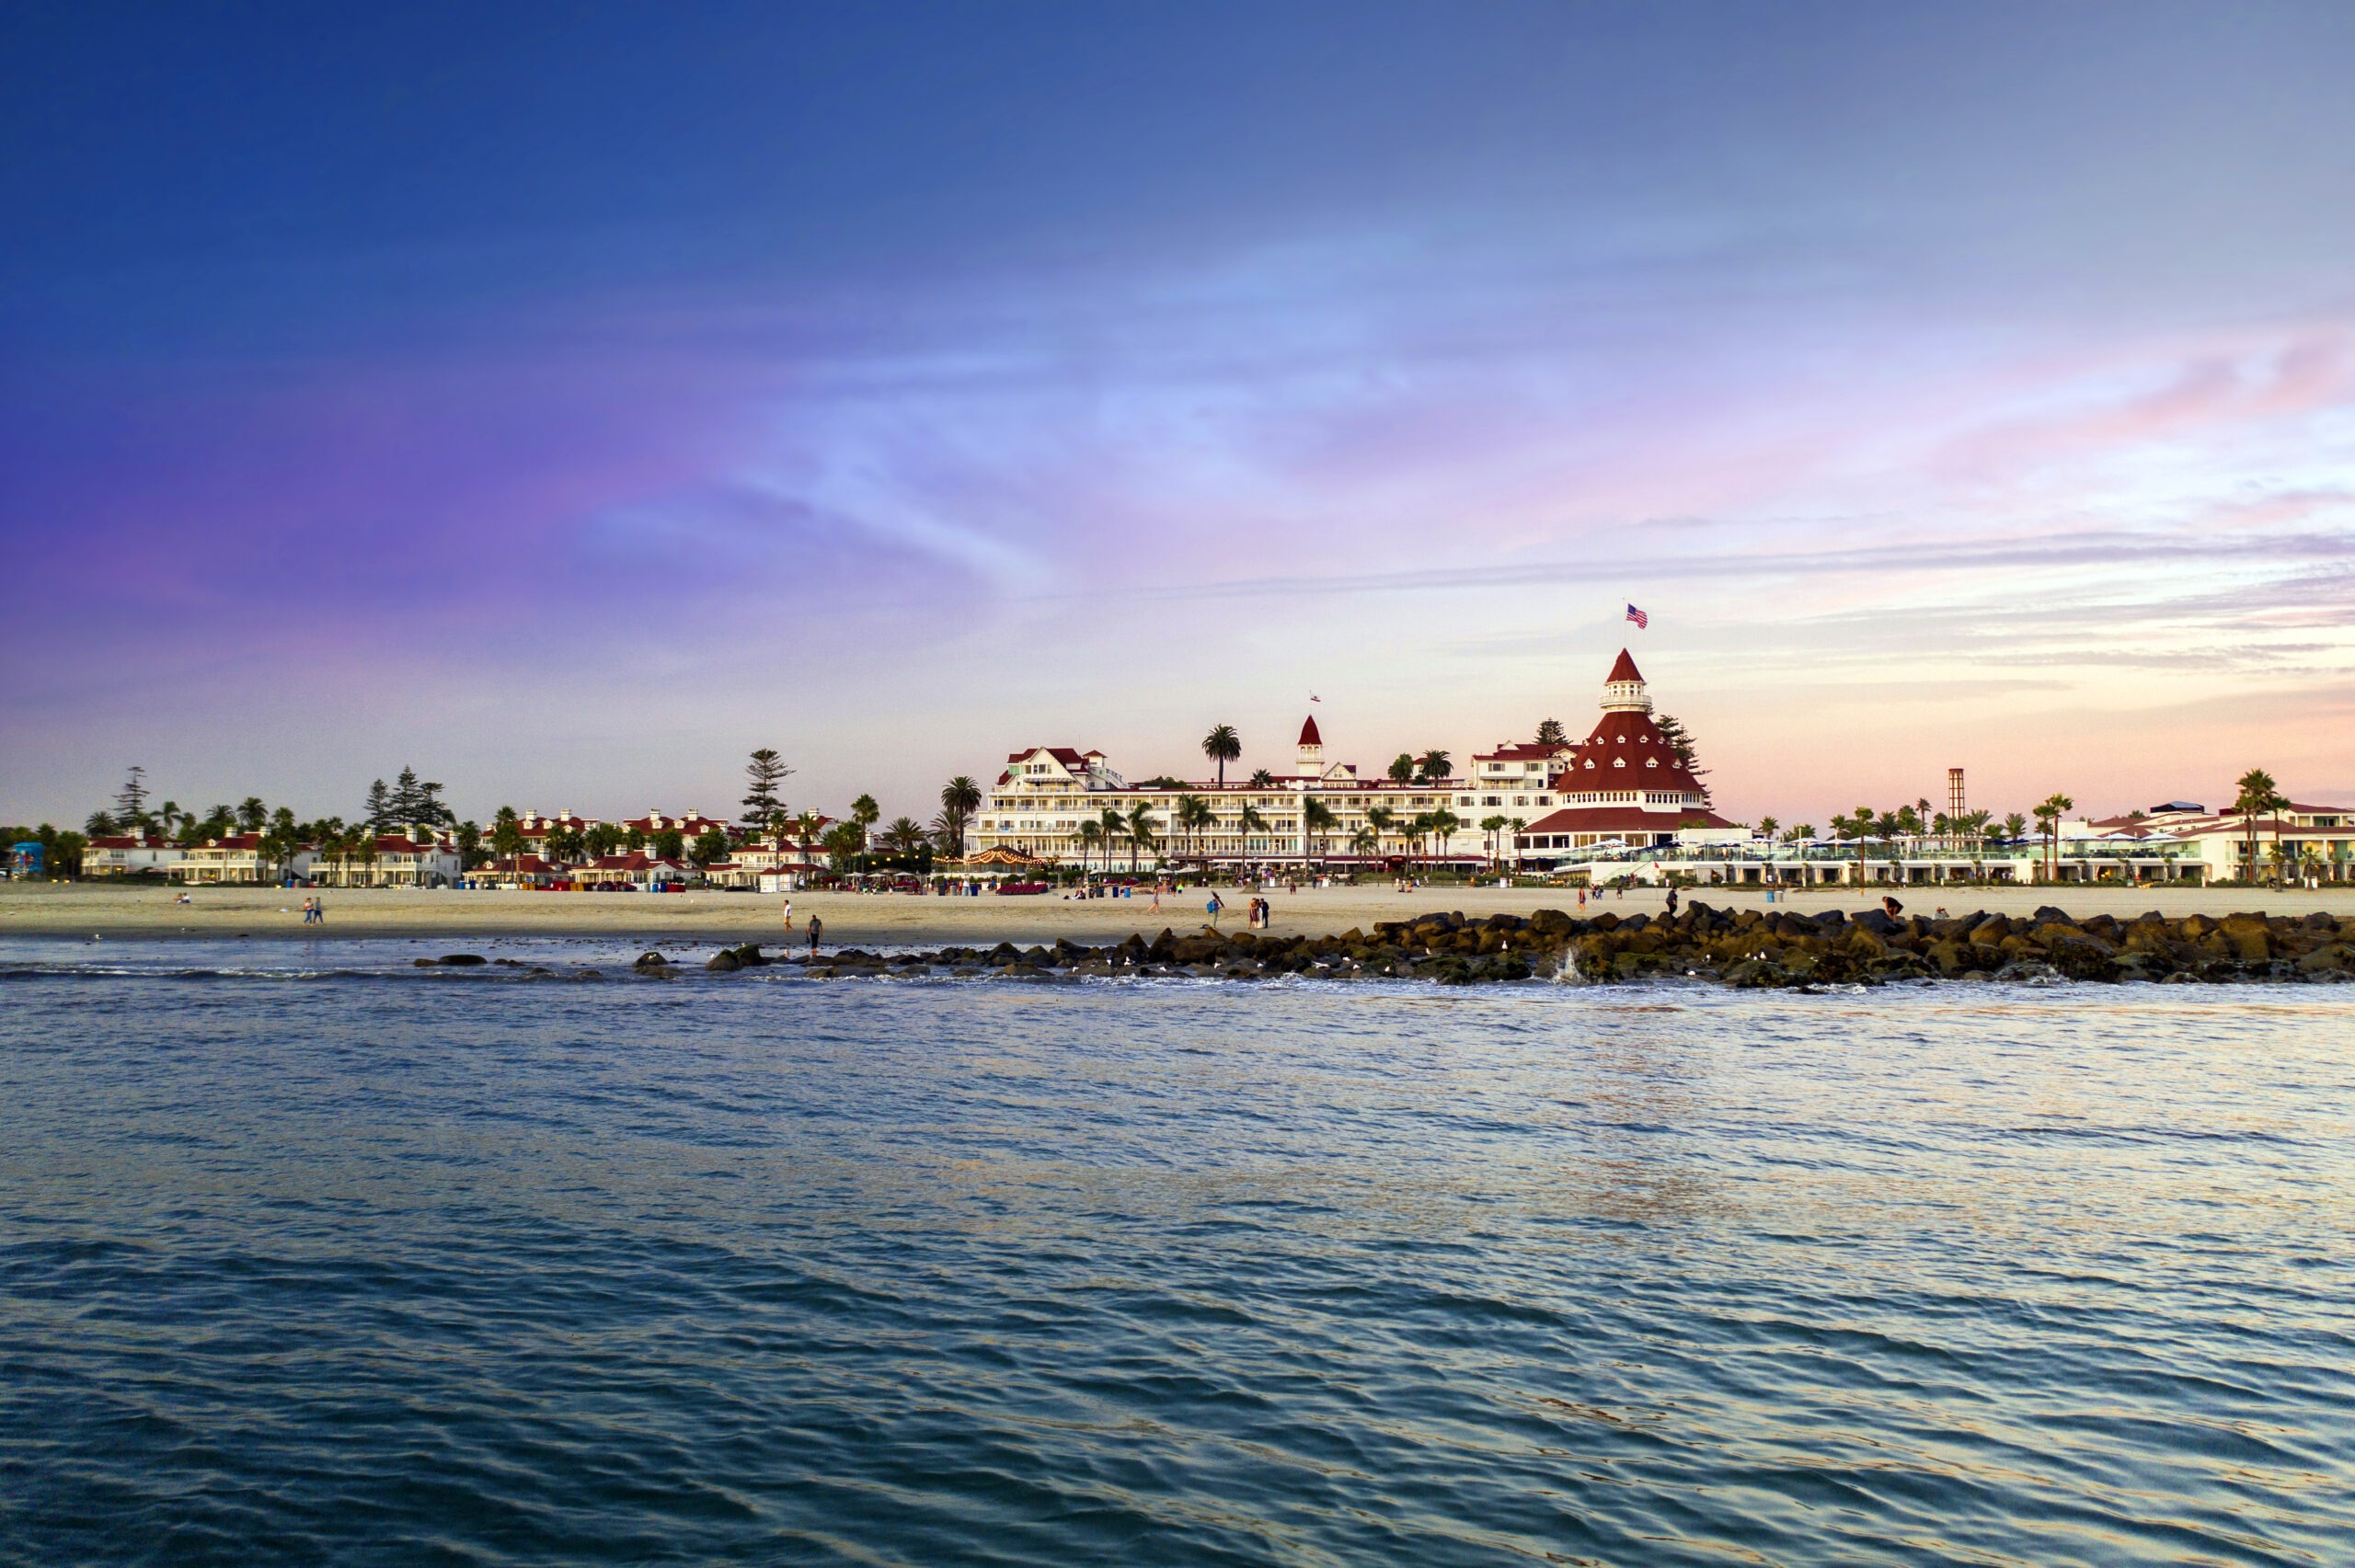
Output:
x,y
86,910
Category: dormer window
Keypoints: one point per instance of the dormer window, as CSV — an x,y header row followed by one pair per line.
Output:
x,y
1618,762
1651,762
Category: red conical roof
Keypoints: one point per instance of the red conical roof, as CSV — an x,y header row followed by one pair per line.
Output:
x,y
1623,671
1308,736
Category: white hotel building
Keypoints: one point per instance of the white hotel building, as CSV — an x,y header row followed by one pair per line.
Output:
x,y
1620,782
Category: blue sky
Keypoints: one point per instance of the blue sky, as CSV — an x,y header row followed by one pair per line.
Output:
x,y
571,403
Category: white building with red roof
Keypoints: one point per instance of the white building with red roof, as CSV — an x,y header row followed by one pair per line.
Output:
x,y
1047,794
1622,783
129,855
239,859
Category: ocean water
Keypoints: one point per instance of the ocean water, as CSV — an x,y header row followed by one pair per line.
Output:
x,y
307,1256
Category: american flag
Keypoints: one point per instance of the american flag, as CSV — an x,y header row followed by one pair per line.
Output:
x,y
1642,620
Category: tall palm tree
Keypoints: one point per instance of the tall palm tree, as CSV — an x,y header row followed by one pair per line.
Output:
x,y
1262,779
960,797
865,812
1114,827
2048,816
1251,822
1192,815
1433,765
1222,745
1365,843
1090,835
1140,827
2258,794
1444,826
1316,821
1494,827
1381,818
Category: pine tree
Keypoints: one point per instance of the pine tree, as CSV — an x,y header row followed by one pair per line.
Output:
x,y
1549,733
763,805
1680,741
404,804
131,800
378,812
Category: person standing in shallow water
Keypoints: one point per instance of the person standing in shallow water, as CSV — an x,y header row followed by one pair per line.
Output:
x,y
816,926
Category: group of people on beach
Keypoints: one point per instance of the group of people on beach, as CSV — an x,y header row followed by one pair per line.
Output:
x,y
315,912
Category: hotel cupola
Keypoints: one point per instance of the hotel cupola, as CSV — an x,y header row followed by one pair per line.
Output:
x,y
1312,749
1623,690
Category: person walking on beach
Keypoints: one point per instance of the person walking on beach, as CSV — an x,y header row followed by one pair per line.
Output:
x,y
1212,908
1671,903
788,914
816,926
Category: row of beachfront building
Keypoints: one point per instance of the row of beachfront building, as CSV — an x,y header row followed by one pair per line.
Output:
x,y
430,858
1619,803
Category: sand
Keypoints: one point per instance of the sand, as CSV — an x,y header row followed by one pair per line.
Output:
x,y
84,910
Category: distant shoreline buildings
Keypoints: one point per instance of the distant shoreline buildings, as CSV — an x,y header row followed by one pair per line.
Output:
x,y
1623,802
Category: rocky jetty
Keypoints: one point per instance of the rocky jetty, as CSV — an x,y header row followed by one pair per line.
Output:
x,y
1749,948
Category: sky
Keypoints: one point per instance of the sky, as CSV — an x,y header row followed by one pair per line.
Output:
x,y
569,400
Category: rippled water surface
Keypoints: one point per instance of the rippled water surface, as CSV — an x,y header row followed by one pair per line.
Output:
x,y
308,1257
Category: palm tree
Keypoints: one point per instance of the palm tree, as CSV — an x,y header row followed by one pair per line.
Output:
x,y
252,815
1090,835
1365,843
1114,827
1222,745
960,797
1140,829
1381,818
1251,822
904,837
1493,827
1444,826
1317,822
2257,794
2048,817
1262,779
865,812
1192,814
1433,765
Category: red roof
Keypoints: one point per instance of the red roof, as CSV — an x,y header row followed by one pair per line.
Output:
x,y
1308,736
1623,819
1518,750
1623,671
1632,738
127,842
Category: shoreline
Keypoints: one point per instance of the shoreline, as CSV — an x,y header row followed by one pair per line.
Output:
x,y
81,911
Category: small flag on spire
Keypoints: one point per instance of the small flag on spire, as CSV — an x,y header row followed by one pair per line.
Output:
x,y
1315,699
1642,620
